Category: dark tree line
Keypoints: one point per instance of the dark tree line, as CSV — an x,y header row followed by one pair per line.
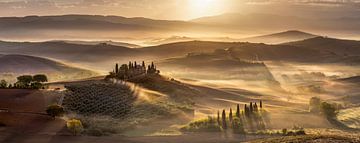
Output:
x,y
250,117
26,82
133,69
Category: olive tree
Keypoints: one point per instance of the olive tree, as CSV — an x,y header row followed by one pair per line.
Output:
x,y
55,110
40,78
3,84
75,126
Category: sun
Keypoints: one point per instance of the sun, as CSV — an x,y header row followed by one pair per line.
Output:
x,y
199,8
203,4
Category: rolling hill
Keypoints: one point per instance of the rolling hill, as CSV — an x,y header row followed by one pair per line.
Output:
x,y
88,27
312,50
67,51
282,37
98,27
115,43
84,22
332,50
275,22
14,65
222,64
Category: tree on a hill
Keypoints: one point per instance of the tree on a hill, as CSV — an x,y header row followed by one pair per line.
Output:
x,y
255,107
3,84
251,107
75,126
24,80
328,109
247,111
230,115
218,117
238,111
116,68
40,78
223,117
55,110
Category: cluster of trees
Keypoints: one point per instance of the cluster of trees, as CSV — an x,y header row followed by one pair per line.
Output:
x,y
250,117
316,105
26,82
127,71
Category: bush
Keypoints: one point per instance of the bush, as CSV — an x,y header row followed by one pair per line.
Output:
x,y
284,131
295,131
75,126
55,110
329,110
204,125
237,126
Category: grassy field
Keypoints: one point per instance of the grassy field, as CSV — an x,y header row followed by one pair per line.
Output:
x,y
350,117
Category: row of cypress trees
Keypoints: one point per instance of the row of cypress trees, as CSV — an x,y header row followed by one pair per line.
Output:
x,y
237,121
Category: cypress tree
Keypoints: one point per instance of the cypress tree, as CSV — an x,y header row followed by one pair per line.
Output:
x,y
238,111
255,107
117,68
135,64
218,117
143,64
246,110
251,107
223,119
230,115
261,104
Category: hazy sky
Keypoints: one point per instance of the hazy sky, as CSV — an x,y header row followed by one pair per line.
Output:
x,y
180,9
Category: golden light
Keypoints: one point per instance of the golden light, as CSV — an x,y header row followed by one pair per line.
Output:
x,y
199,8
203,4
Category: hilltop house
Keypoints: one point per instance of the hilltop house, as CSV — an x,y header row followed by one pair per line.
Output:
x,y
133,70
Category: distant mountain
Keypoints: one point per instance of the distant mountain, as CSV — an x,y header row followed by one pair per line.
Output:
x,y
97,27
282,37
271,22
354,80
122,44
88,27
14,65
84,22
67,51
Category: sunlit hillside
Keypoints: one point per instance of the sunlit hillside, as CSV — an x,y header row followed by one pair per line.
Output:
x,y
179,71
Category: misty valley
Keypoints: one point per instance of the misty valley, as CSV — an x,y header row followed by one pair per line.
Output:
x,y
289,86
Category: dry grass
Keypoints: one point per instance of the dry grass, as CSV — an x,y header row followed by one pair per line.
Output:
x,y
308,139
